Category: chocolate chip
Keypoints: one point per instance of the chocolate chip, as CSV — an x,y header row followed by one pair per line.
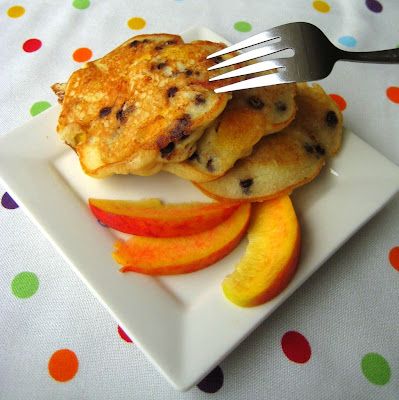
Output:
x,y
168,149
161,65
199,99
280,106
181,128
119,114
308,148
209,165
188,72
134,43
256,103
122,114
105,111
320,150
172,91
194,156
158,48
218,59
137,42
171,42
185,120
246,184
331,119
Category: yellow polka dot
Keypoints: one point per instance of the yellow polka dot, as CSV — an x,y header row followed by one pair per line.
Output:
x,y
321,6
15,11
136,23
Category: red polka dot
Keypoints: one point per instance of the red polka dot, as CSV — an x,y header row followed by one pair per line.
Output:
x,y
123,335
339,100
32,45
393,94
394,257
296,347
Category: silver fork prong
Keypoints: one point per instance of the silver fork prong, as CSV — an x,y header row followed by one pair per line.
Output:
x,y
252,41
251,69
264,80
250,55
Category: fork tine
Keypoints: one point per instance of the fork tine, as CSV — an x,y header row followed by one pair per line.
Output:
x,y
251,69
250,55
252,41
264,80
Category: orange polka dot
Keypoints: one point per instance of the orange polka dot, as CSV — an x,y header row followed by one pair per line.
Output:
x,y
393,94
63,365
83,54
394,257
321,6
136,23
339,100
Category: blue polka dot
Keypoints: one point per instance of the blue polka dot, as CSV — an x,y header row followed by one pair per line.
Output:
x,y
348,41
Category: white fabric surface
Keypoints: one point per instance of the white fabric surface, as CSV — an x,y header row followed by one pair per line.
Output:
x,y
346,310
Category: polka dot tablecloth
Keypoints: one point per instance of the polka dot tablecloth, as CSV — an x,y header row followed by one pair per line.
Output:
x,y
334,338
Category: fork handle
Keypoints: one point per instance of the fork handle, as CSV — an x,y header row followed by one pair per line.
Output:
x,y
390,56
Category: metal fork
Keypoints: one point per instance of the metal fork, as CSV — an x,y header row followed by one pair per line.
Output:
x,y
314,57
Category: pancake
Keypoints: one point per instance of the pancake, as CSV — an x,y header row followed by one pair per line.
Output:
x,y
288,159
250,115
320,117
144,104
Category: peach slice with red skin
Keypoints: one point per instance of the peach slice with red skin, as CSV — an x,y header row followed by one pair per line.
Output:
x,y
180,255
152,218
271,256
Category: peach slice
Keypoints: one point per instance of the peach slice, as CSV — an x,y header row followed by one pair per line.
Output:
x,y
271,256
169,256
154,219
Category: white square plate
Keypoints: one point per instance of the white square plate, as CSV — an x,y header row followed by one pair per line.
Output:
x,y
182,323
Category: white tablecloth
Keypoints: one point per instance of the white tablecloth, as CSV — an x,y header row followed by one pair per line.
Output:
x,y
334,338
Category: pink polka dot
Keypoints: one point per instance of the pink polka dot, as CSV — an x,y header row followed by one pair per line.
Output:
x,y
32,45
123,335
296,347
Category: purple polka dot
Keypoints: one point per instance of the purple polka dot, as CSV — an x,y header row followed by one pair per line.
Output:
x,y
212,382
374,6
8,202
105,226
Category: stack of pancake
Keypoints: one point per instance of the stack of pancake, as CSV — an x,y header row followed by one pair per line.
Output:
x,y
148,106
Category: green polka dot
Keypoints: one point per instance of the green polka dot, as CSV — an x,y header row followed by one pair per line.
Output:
x,y
376,369
38,107
24,285
81,4
243,26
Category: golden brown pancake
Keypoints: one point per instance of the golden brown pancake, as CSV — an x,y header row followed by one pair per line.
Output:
x,y
144,104
248,116
285,160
